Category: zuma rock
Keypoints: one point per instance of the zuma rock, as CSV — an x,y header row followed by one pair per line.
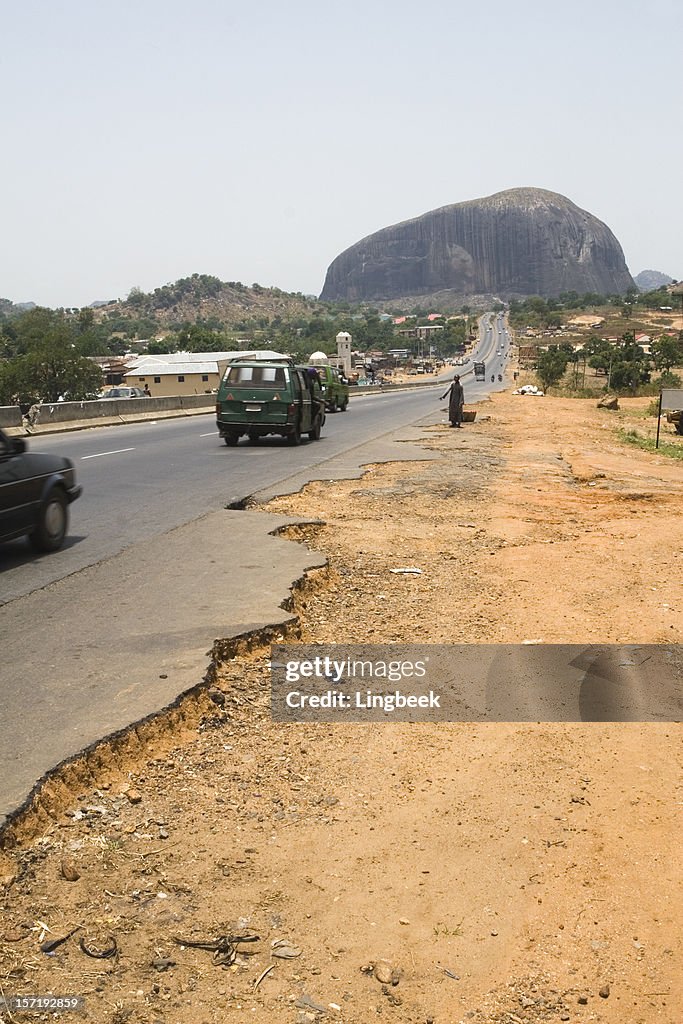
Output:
x,y
525,241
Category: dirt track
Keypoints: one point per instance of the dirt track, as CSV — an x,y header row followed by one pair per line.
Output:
x,y
506,872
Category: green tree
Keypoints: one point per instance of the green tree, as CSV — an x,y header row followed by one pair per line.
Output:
x,y
667,352
136,297
195,338
46,363
599,352
630,366
86,319
551,366
44,376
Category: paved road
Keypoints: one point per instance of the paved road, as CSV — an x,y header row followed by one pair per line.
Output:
x,y
144,479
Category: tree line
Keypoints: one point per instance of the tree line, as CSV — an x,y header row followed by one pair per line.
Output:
x,y
626,365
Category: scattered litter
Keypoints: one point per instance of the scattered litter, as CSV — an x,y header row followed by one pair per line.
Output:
x,y
263,974
224,948
52,944
285,950
450,974
529,389
408,569
103,953
96,809
538,641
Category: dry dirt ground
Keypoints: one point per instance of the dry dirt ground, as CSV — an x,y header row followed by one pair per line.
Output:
x,y
450,872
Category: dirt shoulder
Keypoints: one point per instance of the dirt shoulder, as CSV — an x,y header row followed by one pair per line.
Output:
x,y
505,873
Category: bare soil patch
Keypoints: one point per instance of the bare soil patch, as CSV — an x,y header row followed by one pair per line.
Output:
x,y
505,873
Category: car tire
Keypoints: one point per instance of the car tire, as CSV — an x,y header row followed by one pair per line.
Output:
x,y
231,440
333,405
53,522
295,437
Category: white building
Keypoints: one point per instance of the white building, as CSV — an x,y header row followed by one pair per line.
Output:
x,y
344,340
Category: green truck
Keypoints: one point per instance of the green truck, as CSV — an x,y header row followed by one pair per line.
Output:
x,y
256,398
334,388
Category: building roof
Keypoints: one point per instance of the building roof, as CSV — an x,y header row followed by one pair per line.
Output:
x,y
192,362
159,369
183,357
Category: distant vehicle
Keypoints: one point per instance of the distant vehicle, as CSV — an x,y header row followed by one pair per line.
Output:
x,y
35,492
480,371
334,388
258,397
124,392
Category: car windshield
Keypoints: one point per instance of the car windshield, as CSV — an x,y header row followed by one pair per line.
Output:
x,y
257,377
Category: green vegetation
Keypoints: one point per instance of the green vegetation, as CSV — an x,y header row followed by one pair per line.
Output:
x,y
613,352
551,365
44,356
647,444
620,312
42,352
197,289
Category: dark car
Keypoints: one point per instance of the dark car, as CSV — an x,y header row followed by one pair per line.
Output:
x,y
35,492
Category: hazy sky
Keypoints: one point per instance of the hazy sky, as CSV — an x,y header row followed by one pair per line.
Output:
x,y
145,141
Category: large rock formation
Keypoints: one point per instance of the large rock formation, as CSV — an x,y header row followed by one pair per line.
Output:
x,y
650,280
525,241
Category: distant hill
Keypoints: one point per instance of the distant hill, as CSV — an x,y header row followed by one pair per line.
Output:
x,y
204,297
517,243
650,280
9,309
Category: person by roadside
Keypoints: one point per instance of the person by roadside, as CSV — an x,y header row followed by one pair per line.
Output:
x,y
455,401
